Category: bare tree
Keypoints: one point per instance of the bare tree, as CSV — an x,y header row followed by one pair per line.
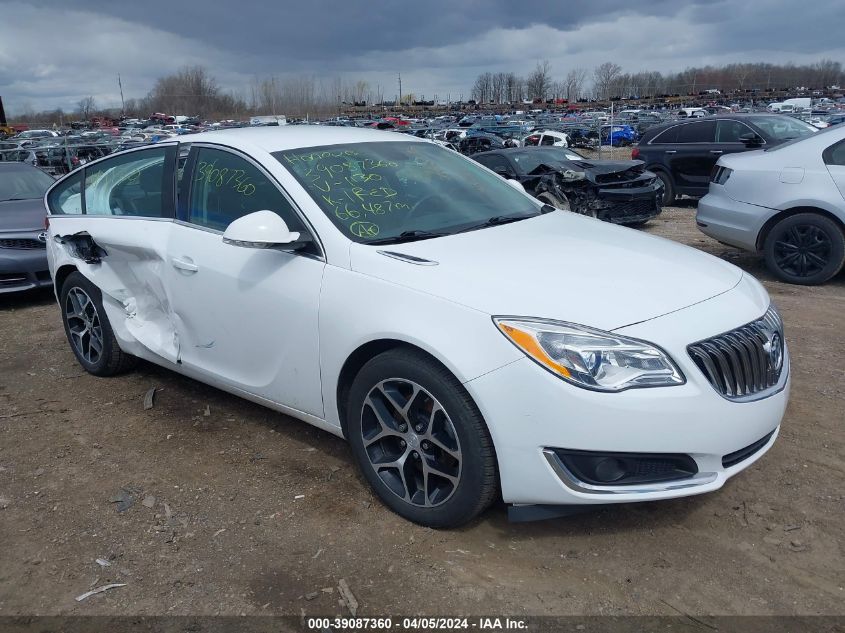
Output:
x,y
499,87
190,90
539,82
483,88
573,85
86,107
604,76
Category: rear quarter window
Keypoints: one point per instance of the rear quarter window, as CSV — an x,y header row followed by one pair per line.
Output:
x,y
835,154
66,197
666,137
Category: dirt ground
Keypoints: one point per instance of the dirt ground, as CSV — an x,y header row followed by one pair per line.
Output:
x,y
234,509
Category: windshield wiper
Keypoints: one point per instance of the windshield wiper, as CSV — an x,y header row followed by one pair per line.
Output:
x,y
407,236
497,220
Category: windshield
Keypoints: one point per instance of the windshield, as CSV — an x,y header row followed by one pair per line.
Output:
x,y
783,128
832,130
23,184
375,192
529,160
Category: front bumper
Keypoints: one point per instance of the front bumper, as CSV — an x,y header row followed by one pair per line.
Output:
x,y
629,205
730,221
530,411
23,268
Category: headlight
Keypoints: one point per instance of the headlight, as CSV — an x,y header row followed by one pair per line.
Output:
x,y
589,358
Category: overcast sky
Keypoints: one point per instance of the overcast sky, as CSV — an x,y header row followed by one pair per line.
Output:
x,y
54,52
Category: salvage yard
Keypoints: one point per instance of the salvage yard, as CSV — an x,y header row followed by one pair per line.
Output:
x,y
208,504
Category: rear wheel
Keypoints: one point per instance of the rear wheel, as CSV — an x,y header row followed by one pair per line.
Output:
x,y
88,329
805,248
420,441
668,188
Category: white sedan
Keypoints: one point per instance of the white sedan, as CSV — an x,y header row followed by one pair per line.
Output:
x,y
469,343
787,202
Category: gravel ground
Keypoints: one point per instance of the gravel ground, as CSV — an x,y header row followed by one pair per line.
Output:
x,y
208,504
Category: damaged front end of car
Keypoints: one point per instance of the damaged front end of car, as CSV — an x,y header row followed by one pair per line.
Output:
x,y
620,192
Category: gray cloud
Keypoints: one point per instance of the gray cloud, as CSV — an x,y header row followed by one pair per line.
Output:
x,y
55,52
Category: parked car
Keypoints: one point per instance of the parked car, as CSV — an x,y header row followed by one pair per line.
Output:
x,y
550,138
617,191
469,342
618,135
683,153
479,142
787,202
35,134
23,237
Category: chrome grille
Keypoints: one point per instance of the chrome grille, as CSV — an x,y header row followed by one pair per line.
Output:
x,y
744,361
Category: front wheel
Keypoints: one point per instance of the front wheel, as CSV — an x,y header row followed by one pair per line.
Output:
x,y
668,188
805,248
420,441
555,201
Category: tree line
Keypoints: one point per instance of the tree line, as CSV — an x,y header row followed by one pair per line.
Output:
x,y
608,80
193,91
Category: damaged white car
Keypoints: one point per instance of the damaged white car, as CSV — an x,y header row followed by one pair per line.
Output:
x,y
468,341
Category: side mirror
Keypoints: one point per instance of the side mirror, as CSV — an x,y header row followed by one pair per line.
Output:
x,y
261,229
751,139
516,185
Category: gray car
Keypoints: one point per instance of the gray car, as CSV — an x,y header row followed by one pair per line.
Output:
x,y
23,238
787,202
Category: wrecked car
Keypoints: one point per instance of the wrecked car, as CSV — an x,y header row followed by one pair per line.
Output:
x,y
617,191
479,142
470,342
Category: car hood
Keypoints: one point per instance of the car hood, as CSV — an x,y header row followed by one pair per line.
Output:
x,y
22,215
559,266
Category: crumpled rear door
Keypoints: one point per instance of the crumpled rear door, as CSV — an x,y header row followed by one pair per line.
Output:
x,y
119,240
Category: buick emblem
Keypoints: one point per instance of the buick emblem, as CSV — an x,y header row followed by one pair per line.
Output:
x,y
42,237
774,348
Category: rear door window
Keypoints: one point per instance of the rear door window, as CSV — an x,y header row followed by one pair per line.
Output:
x,y
135,184
700,132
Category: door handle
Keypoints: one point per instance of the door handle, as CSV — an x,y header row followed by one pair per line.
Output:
x,y
717,151
184,264
671,151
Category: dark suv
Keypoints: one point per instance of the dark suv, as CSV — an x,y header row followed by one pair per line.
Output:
x,y
682,153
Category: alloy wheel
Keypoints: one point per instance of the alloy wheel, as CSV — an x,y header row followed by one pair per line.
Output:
x,y
411,442
803,250
83,322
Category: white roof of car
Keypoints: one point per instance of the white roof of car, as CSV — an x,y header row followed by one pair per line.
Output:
x,y
275,139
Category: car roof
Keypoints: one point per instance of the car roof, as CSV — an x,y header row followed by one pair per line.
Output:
x,y
732,116
16,166
284,137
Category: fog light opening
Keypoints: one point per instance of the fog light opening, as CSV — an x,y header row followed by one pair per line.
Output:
x,y
609,469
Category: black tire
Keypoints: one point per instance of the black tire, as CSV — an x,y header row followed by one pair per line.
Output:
x,y
635,225
554,201
805,248
476,486
110,360
668,188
